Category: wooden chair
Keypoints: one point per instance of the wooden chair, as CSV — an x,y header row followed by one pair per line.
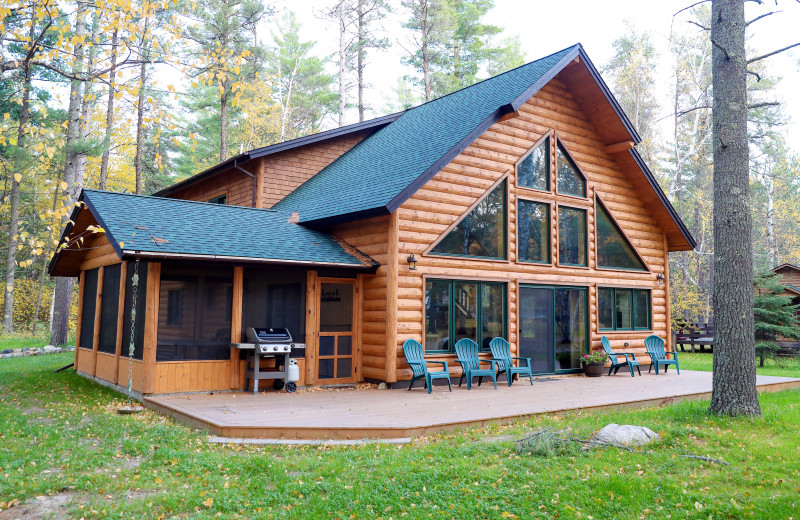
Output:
x,y
655,347
415,357
501,351
467,352
629,358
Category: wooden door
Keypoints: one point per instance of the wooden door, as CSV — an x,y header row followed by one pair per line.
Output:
x,y
337,348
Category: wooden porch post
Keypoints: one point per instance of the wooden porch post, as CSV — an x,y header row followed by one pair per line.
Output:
x,y
236,322
98,304
151,328
79,325
123,278
392,274
311,326
668,334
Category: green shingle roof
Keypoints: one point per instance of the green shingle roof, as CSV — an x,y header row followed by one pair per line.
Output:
x,y
383,170
172,226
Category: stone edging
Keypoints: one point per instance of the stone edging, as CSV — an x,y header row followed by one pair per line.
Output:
x,y
33,351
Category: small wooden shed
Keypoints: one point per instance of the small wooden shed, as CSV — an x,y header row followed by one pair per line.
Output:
x,y
517,207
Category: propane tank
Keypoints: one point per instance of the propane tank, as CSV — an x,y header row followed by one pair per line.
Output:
x,y
294,372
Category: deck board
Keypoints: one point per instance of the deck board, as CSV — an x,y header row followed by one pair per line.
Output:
x,y
356,414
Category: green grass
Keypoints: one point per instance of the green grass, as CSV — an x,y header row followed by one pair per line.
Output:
x,y
786,367
60,434
25,339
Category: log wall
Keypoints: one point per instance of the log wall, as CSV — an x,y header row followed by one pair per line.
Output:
x,y
235,185
371,237
425,217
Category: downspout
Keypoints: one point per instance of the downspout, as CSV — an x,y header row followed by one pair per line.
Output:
x,y
255,180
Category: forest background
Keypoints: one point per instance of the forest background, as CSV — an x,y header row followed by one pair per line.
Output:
x,y
133,96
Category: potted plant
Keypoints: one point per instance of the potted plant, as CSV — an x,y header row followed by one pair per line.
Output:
x,y
594,363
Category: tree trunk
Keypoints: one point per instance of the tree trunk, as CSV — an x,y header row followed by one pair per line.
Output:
x,y
223,126
426,65
769,183
734,377
43,272
140,127
109,113
342,60
360,60
73,177
86,98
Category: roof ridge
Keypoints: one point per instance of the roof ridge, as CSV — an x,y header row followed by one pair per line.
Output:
x,y
233,206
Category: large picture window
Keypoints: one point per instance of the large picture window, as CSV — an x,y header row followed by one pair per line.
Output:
x,y
457,309
571,236
613,249
533,231
482,232
623,309
534,170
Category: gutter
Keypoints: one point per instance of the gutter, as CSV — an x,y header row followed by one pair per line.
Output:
x,y
155,255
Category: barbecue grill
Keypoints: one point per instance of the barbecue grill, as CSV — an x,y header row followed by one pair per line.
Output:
x,y
268,343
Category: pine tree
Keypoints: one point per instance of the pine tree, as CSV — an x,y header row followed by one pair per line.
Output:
x,y
775,315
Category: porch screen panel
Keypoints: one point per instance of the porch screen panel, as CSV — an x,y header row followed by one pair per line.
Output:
x,y
141,299
109,309
275,297
88,306
195,306
437,315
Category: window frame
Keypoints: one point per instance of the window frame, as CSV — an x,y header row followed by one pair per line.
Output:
x,y
599,201
221,198
550,134
559,144
549,205
506,223
451,311
633,311
585,236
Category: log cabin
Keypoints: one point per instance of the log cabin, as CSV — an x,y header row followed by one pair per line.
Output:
x,y
517,207
789,277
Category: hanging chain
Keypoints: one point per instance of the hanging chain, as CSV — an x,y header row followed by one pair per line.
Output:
x,y
131,347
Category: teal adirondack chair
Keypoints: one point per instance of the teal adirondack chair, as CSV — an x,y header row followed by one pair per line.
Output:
x,y
467,352
501,351
628,357
415,357
655,347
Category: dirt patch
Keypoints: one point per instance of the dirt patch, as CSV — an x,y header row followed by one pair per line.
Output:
x,y
41,508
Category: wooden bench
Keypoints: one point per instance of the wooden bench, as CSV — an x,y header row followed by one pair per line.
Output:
x,y
695,338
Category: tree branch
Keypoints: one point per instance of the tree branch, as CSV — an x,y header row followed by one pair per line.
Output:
x,y
693,5
699,25
757,18
764,104
773,53
720,47
758,78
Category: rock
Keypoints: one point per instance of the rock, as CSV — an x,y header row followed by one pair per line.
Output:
x,y
25,349
382,386
29,353
16,354
625,434
50,349
4,356
7,351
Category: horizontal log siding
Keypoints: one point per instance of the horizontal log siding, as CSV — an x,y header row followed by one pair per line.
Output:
x,y
286,171
371,236
235,185
437,205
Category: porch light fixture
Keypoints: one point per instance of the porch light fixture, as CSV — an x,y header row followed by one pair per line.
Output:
x,y
412,262
660,278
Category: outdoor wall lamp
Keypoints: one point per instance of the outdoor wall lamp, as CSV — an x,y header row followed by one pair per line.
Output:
x,y
660,278
412,262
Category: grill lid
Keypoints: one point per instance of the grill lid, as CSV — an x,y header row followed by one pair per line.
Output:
x,y
274,335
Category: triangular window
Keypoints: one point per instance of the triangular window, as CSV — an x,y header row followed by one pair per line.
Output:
x,y
613,249
570,178
534,170
481,232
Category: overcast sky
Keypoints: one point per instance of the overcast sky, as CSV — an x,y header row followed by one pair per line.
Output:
x,y
545,27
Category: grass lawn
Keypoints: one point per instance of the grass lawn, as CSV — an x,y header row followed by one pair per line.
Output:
x,y
62,439
786,367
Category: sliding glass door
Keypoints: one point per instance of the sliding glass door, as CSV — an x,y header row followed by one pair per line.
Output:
x,y
553,327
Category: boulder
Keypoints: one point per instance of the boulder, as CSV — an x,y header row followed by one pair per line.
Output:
x,y
7,351
50,349
624,434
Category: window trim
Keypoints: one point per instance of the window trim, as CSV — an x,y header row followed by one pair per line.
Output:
x,y
599,200
571,160
451,324
586,236
507,216
633,313
218,196
549,234
550,161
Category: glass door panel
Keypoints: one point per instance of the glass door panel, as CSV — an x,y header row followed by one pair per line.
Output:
x,y
552,327
536,327
570,327
335,348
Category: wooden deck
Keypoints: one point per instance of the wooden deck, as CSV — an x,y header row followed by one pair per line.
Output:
x,y
387,414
